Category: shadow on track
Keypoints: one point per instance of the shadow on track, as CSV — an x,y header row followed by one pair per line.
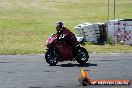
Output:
x,y
77,65
108,60
5,62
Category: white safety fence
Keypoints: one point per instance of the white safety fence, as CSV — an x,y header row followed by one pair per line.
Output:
x,y
120,31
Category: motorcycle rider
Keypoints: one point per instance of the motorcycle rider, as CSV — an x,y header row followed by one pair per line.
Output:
x,y
66,34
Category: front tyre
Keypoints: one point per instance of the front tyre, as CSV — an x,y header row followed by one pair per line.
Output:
x,y
82,55
51,57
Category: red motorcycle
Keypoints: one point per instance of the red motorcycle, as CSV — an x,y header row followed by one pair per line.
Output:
x,y
59,50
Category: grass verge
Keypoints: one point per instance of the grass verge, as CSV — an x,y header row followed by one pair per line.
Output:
x,y
26,24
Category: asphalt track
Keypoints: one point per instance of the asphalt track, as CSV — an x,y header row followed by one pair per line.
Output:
x,y
31,71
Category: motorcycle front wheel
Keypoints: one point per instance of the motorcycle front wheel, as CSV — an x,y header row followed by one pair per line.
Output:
x,y
51,57
82,55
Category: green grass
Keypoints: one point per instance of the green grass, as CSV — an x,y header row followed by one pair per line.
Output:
x,y
26,24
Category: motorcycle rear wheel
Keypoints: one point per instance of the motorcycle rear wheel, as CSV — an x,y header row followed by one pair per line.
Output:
x,y
82,55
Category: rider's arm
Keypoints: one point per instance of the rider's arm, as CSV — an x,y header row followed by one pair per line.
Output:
x,y
67,33
59,36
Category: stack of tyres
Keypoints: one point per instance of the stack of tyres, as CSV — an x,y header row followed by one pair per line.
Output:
x,y
90,32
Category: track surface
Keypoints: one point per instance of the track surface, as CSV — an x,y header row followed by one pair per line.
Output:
x,y
31,71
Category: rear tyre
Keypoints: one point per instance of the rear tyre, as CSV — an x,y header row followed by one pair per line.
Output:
x,y
82,55
51,57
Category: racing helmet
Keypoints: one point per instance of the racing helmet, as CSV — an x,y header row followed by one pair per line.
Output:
x,y
60,23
